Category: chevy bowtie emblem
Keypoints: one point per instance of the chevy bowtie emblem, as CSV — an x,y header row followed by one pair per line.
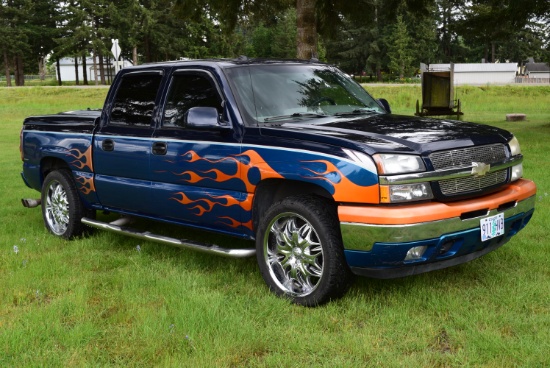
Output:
x,y
480,168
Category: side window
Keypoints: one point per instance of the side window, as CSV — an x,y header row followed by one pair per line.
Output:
x,y
193,89
135,100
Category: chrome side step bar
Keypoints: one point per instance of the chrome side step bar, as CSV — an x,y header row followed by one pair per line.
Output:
x,y
117,226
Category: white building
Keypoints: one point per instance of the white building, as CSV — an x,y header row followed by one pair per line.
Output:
x,y
67,69
537,70
480,73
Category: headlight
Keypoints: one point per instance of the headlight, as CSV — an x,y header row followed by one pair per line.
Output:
x,y
514,146
405,193
398,164
517,172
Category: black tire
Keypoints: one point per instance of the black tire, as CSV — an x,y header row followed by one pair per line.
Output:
x,y
300,252
62,208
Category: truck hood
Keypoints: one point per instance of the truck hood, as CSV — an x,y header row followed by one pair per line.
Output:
x,y
390,133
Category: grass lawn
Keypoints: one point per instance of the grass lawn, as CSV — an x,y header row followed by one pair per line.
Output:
x,y
109,300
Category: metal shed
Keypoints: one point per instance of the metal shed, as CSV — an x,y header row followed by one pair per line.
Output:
x,y
481,73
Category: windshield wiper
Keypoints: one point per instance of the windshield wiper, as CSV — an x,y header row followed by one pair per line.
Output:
x,y
295,115
356,112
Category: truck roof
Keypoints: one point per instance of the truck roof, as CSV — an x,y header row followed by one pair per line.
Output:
x,y
225,63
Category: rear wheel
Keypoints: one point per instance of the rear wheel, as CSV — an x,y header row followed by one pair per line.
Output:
x,y
300,252
62,208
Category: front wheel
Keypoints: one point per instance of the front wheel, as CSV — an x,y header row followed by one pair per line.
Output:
x,y
300,252
62,208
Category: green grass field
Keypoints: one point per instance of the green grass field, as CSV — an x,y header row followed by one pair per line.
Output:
x,y
104,301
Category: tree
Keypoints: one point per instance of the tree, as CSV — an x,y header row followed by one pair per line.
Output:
x,y
14,37
447,14
487,24
354,47
284,35
528,42
306,26
275,38
313,17
421,27
399,48
42,17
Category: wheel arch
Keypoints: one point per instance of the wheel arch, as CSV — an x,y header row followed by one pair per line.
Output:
x,y
49,164
273,190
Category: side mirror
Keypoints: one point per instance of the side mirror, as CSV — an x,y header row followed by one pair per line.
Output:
x,y
385,104
203,118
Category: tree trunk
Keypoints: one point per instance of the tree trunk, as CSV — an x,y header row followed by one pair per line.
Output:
x,y
306,24
21,70
19,74
379,73
492,52
76,80
101,69
15,72
95,68
84,71
7,66
109,70
147,50
59,81
134,56
41,69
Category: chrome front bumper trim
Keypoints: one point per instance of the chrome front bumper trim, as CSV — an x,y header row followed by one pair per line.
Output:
x,y
358,236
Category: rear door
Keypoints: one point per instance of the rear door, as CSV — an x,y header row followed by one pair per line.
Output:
x,y
122,146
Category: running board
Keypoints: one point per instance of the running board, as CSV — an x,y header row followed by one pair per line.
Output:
x,y
118,227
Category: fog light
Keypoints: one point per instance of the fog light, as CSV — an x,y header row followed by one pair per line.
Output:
x,y
517,172
415,253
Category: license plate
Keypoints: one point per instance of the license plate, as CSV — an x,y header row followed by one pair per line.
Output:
x,y
491,227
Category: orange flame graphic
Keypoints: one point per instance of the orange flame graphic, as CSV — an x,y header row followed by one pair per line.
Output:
x,y
344,189
243,168
79,155
204,205
86,184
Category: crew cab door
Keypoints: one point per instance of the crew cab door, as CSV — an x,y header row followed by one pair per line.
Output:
x,y
195,170
122,145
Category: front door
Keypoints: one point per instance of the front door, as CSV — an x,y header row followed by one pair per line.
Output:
x,y
196,172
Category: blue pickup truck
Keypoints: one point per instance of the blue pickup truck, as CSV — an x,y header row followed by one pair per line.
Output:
x,y
292,154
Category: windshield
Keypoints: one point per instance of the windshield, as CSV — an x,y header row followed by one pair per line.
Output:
x,y
282,93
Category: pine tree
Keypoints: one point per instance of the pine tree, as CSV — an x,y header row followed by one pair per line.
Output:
x,y
399,45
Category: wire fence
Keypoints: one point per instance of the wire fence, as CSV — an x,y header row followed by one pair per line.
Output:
x,y
521,80
28,77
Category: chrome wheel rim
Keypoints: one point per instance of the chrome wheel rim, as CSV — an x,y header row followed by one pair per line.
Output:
x,y
293,254
57,208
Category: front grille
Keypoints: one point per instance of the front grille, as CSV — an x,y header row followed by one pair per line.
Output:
x,y
465,156
470,184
